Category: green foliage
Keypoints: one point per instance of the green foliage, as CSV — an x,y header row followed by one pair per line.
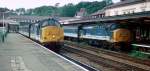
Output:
x,y
4,12
108,2
4,9
43,11
29,12
139,54
20,10
82,5
68,10
91,7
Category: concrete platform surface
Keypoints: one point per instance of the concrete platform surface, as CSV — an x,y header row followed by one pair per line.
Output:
x,y
19,53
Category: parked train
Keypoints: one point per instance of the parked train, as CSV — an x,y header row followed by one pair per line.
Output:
x,y
47,32
104,35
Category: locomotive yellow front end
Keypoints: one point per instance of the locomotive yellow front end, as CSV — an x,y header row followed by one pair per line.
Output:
x,y
52,35
122,38
121,35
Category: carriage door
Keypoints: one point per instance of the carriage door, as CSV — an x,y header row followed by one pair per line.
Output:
x,y
37,32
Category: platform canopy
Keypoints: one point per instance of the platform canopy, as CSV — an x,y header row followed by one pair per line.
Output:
x,y
129,17
9,22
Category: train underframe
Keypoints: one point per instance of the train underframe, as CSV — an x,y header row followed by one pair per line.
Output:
x,y
115,46
54,46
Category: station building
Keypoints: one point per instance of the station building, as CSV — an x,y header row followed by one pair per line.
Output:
x,y
123,7
127,7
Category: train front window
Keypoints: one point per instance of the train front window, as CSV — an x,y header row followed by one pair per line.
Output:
x,y
53,23
50,23
45,23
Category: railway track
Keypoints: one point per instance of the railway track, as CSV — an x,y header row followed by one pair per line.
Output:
x,y
108,59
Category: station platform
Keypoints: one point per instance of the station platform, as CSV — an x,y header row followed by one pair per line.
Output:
x,y
19,53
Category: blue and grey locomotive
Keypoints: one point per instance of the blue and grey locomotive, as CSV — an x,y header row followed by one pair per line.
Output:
x,y
104,35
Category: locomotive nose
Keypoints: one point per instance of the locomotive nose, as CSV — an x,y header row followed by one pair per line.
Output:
x,y
52,34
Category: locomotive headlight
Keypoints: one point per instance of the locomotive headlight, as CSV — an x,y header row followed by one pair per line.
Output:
x,y
53,36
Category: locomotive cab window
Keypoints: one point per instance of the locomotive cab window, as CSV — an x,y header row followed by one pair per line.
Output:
x,y
54,23
50,22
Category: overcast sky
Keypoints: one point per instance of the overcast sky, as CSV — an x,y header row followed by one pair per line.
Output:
x,y
13,4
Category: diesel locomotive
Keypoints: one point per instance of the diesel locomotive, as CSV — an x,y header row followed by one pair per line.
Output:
x,y
48,32
106,35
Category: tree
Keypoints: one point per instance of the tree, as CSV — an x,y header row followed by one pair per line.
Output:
x,y
29,12
4,9
44,10
91,7
20,11
108,2
68,10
